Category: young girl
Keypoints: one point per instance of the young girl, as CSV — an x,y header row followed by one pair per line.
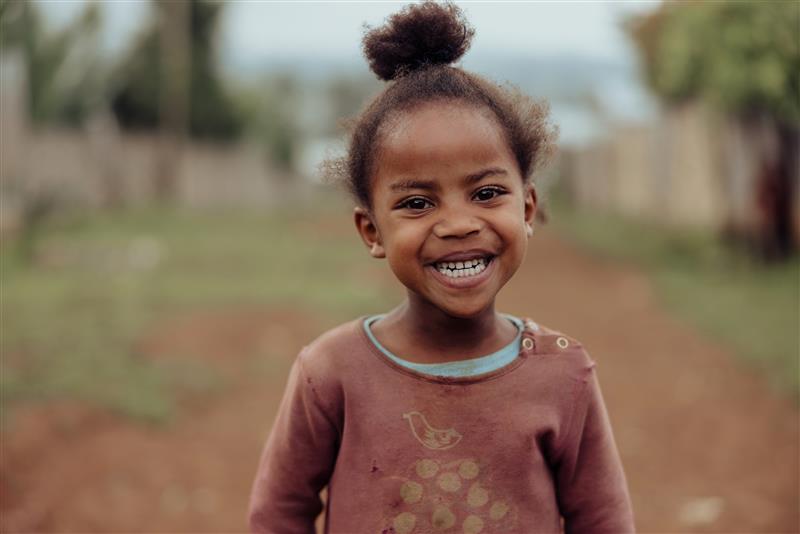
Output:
x,y
442,415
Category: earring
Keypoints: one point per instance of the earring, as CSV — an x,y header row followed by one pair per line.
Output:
x,y
529,229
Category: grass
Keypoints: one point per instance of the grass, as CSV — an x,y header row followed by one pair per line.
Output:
x,y
750,306
72,317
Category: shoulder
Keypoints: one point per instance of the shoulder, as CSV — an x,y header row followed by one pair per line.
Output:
x,y
569,373
333,351
322,367
564,356
549,341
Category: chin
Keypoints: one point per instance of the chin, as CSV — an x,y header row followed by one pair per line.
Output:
x,y
466,312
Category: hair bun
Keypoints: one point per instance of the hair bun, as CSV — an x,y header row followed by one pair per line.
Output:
x,y
418,35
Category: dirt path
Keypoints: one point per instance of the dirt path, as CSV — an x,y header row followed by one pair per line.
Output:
x,y
706,446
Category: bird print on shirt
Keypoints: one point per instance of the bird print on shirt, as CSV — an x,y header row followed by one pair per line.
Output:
x,y
432,438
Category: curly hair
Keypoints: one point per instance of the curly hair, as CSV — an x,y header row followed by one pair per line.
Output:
x,y
413,51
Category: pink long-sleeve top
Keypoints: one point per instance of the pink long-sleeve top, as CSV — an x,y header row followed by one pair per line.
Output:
x,y
525,448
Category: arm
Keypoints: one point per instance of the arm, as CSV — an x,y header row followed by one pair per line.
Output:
x,y
590,482
296,463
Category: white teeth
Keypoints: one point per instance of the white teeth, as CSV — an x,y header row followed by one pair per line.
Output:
x,y
460,269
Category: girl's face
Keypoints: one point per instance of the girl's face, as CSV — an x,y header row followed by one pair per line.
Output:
x,y
450,211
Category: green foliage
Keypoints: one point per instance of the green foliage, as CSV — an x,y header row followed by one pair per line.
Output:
x,y
12,29
64,75
742,55
273,106
212,112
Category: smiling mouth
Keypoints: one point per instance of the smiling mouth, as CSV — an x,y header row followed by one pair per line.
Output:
x,y
463,269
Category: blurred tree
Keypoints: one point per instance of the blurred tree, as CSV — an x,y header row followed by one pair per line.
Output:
x,y
742,55
744,58
212,113
273,106
173,98
276,119
63,71
63,80
347,95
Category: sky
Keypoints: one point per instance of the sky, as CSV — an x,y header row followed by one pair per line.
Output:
x,y
253,32
334,29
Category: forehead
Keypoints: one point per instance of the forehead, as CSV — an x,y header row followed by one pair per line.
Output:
x,y
436,140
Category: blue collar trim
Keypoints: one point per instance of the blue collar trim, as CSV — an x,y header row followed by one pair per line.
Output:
x,y
460,368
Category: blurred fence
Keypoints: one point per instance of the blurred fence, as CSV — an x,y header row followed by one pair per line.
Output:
x,y
48,169
690,167
100,168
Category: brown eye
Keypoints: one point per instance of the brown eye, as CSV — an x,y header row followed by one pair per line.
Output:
x,y
416,203
488,193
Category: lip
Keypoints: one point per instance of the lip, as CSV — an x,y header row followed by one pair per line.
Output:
x,y
466,282
465,255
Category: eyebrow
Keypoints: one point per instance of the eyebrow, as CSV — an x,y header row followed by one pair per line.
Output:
x,y
480,175
429,185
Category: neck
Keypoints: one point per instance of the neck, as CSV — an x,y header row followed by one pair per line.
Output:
x,y
436,329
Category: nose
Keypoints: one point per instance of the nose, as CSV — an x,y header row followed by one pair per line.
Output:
x,y
457,223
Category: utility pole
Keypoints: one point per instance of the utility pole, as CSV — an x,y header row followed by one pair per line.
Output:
x,y
174,86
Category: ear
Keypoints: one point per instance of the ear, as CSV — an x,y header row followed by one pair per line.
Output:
x,y
369,232
530,207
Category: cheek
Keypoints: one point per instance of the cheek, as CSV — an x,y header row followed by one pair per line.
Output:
x,y
515,237
512,225
403,245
